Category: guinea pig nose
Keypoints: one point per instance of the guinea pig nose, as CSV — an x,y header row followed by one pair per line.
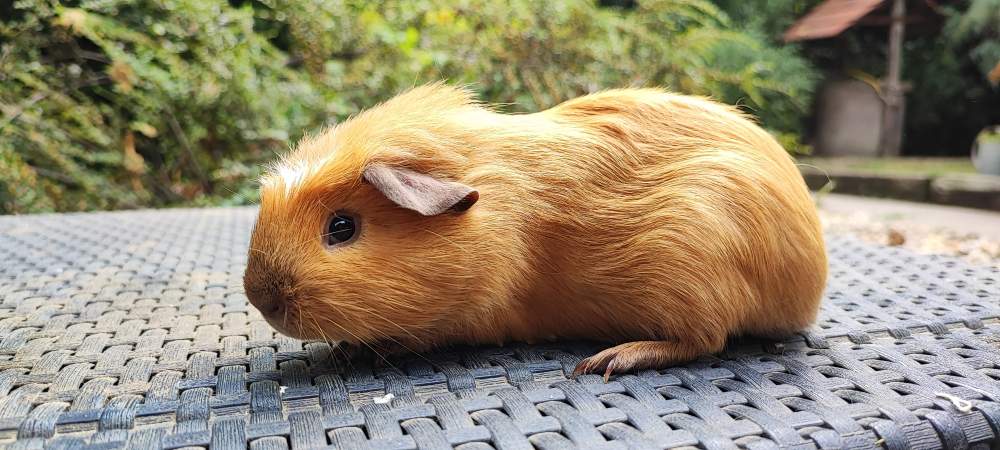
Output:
x,y
270,304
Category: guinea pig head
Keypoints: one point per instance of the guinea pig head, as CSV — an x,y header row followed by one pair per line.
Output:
x,y
359,255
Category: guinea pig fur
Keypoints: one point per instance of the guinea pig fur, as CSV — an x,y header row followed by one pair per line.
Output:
x,y
659,222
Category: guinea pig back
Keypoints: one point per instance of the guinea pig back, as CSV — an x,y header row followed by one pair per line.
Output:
x,y
659,222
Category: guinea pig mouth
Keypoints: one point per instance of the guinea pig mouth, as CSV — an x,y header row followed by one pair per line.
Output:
x,y
288,325
294,326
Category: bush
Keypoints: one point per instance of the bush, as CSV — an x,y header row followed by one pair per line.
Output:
x,y
120,104
978,28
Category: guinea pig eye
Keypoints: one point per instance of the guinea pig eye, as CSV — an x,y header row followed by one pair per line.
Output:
x,y
341,228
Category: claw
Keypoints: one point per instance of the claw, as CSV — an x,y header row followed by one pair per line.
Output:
x,y
604,361
636,355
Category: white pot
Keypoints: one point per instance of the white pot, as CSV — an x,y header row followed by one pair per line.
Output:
x,y
986,151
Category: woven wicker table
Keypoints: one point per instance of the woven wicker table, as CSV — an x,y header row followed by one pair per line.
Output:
x,y
131,330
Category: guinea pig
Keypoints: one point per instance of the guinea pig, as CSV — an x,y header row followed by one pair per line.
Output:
x,y
658,222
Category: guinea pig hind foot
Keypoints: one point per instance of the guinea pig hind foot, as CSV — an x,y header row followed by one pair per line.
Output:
x,y
642,355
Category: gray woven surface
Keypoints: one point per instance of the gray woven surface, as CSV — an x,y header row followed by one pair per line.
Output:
x,y
131,330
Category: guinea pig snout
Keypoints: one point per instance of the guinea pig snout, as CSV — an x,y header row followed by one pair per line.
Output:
x,y
270,296
269,304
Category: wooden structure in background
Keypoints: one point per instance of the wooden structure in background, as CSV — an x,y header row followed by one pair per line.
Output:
x,y
829,19
892,118
832,17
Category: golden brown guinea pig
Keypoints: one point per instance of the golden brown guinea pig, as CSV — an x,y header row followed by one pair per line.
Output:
x,y
660,222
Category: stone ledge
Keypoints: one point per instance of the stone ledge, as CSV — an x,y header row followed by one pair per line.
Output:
x,y
977,191
969,190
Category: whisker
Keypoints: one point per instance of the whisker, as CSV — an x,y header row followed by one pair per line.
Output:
x,y
419,355
326,339
284,319
347,357
238,195
303,243
446,239
325,207
363,343
420,341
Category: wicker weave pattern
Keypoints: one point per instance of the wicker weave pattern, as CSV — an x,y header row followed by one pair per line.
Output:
x,y
131,330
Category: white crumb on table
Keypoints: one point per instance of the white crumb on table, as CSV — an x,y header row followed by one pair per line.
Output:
x,y
384,399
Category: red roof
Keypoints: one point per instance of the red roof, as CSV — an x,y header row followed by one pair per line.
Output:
x,y
830,18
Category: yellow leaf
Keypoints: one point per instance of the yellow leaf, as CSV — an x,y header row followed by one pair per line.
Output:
x,y
146,129
132,160
994,75
72,18
122,74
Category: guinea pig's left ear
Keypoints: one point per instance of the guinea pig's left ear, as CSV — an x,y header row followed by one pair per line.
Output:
x,y
424,194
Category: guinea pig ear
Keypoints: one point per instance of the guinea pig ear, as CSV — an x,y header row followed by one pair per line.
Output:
x,y
424,194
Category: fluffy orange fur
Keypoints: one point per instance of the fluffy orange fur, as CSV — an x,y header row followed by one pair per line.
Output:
x,y
659,221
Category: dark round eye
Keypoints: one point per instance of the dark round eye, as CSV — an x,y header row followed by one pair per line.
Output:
x,y
340,229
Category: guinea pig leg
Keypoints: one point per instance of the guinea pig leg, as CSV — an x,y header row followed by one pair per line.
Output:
x,y
645,355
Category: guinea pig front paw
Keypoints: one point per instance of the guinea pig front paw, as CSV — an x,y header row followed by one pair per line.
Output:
x,y
378,354
638,355
347,351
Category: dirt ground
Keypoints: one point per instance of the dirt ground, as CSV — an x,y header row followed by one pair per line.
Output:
x,y
915,235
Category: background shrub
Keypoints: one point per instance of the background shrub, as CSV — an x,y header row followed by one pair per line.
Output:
x,y
122,104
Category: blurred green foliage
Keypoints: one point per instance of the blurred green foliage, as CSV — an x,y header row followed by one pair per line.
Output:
x,y
978,26
122,103
770,17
